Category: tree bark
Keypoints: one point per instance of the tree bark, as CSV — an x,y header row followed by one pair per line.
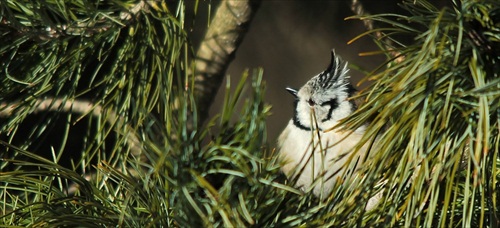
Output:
x,y
225,33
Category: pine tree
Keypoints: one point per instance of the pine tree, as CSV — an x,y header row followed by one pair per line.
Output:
x,y
103,121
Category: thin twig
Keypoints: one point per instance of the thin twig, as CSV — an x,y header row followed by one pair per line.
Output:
x,y
358,9
77,107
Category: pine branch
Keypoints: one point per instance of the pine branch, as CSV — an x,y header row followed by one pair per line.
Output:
x,y
217,50
86,27
439,100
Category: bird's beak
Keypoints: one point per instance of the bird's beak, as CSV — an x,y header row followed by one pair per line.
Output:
x,y
292,91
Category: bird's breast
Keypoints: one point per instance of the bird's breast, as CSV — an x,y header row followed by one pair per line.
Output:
x,y
314,154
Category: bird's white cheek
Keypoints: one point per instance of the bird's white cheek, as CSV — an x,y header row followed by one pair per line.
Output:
x,y
343,110
304,114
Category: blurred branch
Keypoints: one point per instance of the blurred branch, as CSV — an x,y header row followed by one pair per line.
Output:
x,y
358,8
217,50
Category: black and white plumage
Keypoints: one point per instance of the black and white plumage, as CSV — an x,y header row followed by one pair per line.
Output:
x,y
313,154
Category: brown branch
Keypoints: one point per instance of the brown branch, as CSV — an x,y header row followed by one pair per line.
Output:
x,y
217,50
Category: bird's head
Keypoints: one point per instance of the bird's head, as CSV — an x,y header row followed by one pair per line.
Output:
x,y
323,100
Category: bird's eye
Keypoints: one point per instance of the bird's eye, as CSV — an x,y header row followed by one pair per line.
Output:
x,y
311,102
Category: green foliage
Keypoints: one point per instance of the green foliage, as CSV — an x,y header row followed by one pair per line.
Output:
x,y
143,160
79,80
116,57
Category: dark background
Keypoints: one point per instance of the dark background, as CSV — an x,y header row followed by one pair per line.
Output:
x,y
291,40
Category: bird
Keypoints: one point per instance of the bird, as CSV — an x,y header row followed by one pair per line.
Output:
x,y
314,153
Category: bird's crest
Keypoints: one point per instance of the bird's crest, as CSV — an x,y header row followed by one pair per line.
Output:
x,y
335,75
